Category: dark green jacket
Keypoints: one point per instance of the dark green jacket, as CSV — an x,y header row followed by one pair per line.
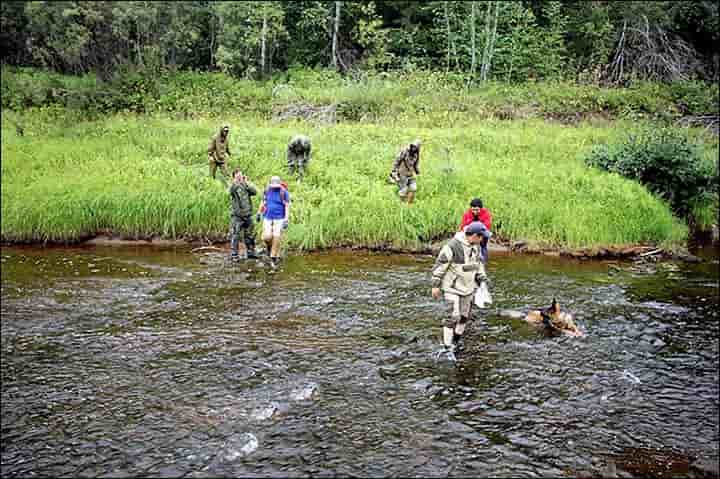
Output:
x,y
240,199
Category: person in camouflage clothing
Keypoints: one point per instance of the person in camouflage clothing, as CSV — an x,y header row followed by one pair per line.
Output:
x,y
241,221
298,154
405,169
218,151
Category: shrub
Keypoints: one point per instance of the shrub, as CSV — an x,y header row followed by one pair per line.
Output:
x,y
666,162
696,97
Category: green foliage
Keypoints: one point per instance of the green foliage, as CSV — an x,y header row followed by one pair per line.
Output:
x,y
367,97
527,51
244,28
696,97
666,162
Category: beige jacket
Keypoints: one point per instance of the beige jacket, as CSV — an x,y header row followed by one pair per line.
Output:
x,y
456,266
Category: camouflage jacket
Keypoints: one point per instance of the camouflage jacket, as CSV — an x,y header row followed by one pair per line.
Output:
x,y
240,199
406,164
299,145
219,147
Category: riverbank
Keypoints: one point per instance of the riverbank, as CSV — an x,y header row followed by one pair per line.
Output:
x,y
501,248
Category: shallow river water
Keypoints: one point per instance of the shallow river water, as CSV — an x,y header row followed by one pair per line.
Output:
x,y
168,363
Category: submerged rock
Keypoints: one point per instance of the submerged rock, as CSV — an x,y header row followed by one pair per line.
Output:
x,y
263,413
304,393
238,446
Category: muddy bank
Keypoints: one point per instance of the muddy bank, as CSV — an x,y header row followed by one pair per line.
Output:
x,y
630,252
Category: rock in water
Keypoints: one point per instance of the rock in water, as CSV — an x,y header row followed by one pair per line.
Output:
x,y
239,445
304,393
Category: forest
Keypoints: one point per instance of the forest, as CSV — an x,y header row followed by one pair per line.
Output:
x,y
591,41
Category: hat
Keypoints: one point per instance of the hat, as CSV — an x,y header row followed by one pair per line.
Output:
x,y
275,182
477,228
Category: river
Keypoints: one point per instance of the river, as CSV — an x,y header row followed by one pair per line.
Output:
x,y
168,363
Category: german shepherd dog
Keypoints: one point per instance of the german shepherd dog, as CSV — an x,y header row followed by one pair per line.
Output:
x,y
553,320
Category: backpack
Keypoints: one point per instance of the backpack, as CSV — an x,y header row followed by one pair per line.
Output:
x,y
283,187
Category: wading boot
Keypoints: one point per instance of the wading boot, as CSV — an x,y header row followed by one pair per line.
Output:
x,y
458,342
450,353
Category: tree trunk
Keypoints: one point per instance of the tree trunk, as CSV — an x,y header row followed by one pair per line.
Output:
x,y
212,37
336,29
263,43
486,48
447,25
472,33
491,30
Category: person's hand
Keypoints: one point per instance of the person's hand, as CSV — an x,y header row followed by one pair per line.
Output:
x,y
436,293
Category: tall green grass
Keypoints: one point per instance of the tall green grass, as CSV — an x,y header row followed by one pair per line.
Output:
x,y
141,176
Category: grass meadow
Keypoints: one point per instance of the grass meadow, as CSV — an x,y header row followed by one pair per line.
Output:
x,y
141,176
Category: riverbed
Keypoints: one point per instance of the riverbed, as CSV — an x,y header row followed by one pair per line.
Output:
x,y
120,361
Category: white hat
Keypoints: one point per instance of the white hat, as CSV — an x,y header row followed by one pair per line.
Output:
x,y
275,182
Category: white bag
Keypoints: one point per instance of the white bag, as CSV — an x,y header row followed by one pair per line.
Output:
x,y
482,295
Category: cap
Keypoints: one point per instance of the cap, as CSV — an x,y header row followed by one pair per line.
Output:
x,y
477,228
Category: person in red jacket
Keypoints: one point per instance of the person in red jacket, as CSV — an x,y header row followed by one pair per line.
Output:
x,y
478,213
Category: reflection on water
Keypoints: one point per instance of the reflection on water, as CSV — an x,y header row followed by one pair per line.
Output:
x,y
134,361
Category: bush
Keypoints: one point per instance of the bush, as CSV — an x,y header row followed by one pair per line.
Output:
x,y
666,162
696,97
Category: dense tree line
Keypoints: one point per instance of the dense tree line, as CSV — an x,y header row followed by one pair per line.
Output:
x,y
599,41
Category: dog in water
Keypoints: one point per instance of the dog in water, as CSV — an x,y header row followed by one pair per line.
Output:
x,y
553,320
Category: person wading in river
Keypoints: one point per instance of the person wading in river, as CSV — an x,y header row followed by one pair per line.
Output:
x,y
457,273
405,169
275,210
218,151
241,221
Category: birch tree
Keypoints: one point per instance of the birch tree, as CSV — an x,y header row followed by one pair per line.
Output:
x,y
336,29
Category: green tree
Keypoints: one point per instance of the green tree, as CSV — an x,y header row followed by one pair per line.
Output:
x,y
250,33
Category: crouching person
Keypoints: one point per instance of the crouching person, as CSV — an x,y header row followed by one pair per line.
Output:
x,y
298,154
241,221
275,210
457,273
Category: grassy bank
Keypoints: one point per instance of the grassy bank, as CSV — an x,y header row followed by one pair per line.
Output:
x,y
141,176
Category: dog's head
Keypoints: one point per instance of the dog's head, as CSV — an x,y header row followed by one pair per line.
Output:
x,y
555,319
548,314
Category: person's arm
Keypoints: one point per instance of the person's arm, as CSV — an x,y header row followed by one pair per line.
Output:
x,y
398,159
211,149
416,165
466,219
252,191
394,176
287,206
442,263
